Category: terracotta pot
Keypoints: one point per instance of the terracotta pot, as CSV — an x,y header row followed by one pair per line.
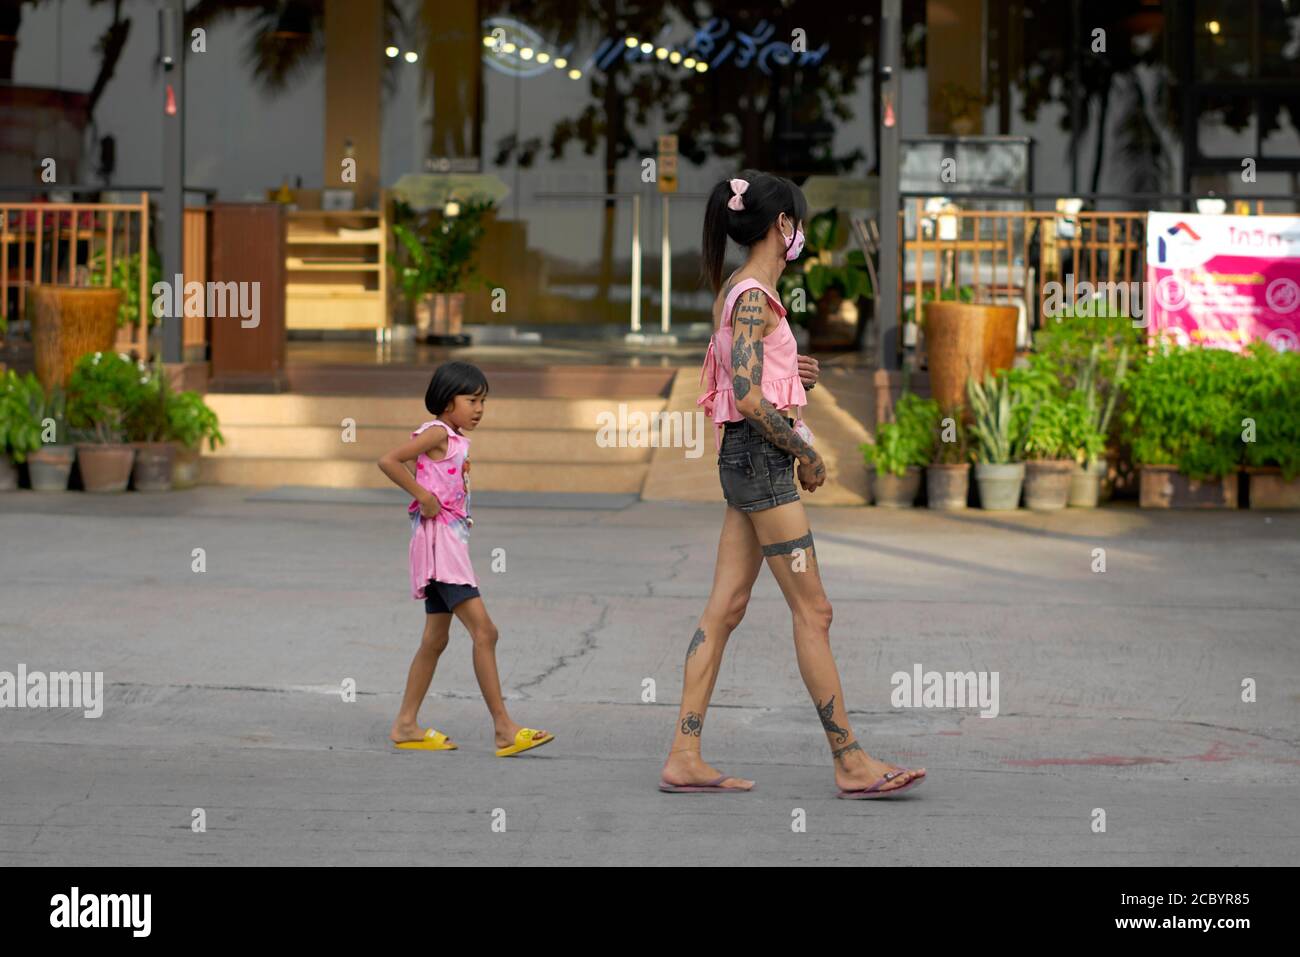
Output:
x,y
50,467
1269,490
448,313
963,341
8,474
69,322
999,485
1086,484
898,491
185,467
105,468
1163,486
1047,484
152,471
947,486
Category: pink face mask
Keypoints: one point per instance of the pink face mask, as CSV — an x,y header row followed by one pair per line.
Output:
x,y
794,247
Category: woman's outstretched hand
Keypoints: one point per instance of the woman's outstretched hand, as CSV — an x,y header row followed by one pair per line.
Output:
x,y
807,371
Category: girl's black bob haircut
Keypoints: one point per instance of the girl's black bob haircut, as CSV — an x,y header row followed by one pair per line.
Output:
x,y
450,380
766,198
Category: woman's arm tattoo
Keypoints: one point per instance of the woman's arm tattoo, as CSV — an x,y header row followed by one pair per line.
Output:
x,y
747,373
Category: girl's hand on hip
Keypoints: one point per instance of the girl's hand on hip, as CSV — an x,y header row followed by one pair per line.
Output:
x,y
429,505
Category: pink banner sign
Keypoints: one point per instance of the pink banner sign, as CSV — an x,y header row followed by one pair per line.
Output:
x,y
1223,281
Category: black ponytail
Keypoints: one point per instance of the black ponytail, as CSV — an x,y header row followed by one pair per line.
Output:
x,y
766,198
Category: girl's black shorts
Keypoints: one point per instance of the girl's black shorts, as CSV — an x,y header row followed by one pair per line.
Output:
x,y
441,597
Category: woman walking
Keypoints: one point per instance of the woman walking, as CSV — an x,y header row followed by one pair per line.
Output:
x,y
753,384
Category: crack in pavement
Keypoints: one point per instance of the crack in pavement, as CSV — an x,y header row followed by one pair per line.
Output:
x,y
562,661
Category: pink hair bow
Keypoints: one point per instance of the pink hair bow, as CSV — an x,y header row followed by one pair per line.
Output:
x,y
738,186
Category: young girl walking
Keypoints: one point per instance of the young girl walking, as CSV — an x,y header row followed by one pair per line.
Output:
x,y
441,572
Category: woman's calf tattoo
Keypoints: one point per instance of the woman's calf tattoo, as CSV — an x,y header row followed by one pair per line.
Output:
x,y
826,712
692,724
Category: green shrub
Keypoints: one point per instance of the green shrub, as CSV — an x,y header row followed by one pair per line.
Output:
x,y
101,392
21,400
190,420
907,441
1185,407
1271,400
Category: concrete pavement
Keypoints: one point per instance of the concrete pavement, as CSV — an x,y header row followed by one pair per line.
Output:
x,y
1118,690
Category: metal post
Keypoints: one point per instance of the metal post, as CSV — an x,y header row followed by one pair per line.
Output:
x,y
891,59
636,264
1076,92
171,21
666,276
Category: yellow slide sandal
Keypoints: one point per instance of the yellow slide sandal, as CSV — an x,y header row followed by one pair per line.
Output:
x,y
525,741
432,741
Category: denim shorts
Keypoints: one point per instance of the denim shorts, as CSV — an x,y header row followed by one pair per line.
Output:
x,y
441,597
755,474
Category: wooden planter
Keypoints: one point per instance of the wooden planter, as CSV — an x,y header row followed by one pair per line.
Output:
x,y
1269,490
963,341
1163,486
71,321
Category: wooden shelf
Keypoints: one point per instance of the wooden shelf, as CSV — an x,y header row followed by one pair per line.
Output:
x,y
321,294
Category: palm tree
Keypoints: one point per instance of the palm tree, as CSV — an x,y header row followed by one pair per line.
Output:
x,y
287,37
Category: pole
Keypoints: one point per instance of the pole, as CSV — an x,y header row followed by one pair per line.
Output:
x,y
666,277
636,264
171,23
891,58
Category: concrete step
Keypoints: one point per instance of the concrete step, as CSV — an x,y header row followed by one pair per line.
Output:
x,y
268,471
576,446
404,380
288,409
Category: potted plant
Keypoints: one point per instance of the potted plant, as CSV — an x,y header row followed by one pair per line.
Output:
x,y
1271,401
20,433
435,263
100,393
1184,415
50,466
828,278
1043,416
1089,354
148,430
901,448
1089,427
190,422
999,471
947,477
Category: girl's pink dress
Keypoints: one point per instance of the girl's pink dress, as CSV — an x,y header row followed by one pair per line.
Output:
x,y
440,545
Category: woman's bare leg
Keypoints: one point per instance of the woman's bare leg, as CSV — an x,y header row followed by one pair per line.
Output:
x,y
739,560
786,543
437,628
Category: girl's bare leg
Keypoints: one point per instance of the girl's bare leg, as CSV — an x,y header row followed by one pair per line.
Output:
x,y
473,615
786,543
739,560
432,644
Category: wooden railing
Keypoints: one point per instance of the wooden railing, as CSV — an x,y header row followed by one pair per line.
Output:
x,y
79,244
1008,256
75,244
